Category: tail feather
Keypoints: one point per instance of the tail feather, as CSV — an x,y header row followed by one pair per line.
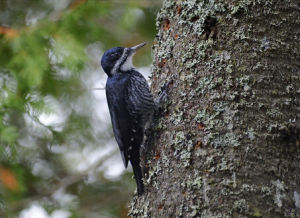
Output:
x,y
138,177
124,158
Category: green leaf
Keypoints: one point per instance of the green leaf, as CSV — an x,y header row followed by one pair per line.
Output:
x,y
9,134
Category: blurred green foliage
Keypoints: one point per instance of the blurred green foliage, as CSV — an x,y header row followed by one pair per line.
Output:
x,y
48,114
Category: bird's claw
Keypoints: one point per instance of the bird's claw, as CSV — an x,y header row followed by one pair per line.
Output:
x,y
163,97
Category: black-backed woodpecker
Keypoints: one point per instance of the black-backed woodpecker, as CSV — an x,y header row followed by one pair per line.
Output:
x,y
130,104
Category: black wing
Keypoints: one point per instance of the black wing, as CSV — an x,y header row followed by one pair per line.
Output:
x,y
120,127
130,104
120,118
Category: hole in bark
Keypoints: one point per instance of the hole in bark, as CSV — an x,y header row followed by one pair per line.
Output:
x,y
290,138
160,207
198,144
210,30
162,63
157,155
195,18
200,126
166,24
178,10
209,23
238,12
291,135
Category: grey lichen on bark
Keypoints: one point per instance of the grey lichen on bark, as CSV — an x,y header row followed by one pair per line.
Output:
x,y
227,144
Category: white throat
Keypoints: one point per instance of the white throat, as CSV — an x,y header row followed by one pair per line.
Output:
x,y
127,65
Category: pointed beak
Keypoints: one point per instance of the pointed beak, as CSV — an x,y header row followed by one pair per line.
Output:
x,y
135,48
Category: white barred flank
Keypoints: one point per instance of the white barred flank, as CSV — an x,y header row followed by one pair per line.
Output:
x,y
140,95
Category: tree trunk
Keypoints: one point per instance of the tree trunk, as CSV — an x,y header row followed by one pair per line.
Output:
x,y
227,144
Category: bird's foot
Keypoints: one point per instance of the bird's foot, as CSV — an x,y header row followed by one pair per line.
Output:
x,y
163,96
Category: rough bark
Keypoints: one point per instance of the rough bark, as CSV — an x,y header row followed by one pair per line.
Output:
x,y
228,143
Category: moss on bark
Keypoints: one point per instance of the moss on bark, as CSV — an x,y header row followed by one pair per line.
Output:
x,y
228,142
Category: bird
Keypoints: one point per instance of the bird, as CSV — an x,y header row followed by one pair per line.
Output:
x,y
131,105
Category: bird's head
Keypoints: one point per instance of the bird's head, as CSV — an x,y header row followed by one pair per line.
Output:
x,y
119,59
